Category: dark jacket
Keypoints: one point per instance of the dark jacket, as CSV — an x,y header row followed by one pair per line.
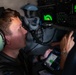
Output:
x,y
10,66
70,64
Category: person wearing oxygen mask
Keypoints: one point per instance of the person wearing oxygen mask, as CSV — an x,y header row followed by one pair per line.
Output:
x,y
31,19
65,44
12,39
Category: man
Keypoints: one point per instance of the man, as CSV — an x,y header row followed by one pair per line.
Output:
x,y
15,35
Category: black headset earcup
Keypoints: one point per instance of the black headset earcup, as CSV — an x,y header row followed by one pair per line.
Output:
x,y
2,40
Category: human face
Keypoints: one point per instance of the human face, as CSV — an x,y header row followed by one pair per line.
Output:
x,y
17,38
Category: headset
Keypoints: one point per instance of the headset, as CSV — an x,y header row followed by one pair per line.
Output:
x,y
2,40
2,36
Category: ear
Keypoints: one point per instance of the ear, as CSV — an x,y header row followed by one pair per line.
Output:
x,y
7,38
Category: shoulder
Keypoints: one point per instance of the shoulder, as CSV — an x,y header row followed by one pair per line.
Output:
x,y
6,72
9,72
